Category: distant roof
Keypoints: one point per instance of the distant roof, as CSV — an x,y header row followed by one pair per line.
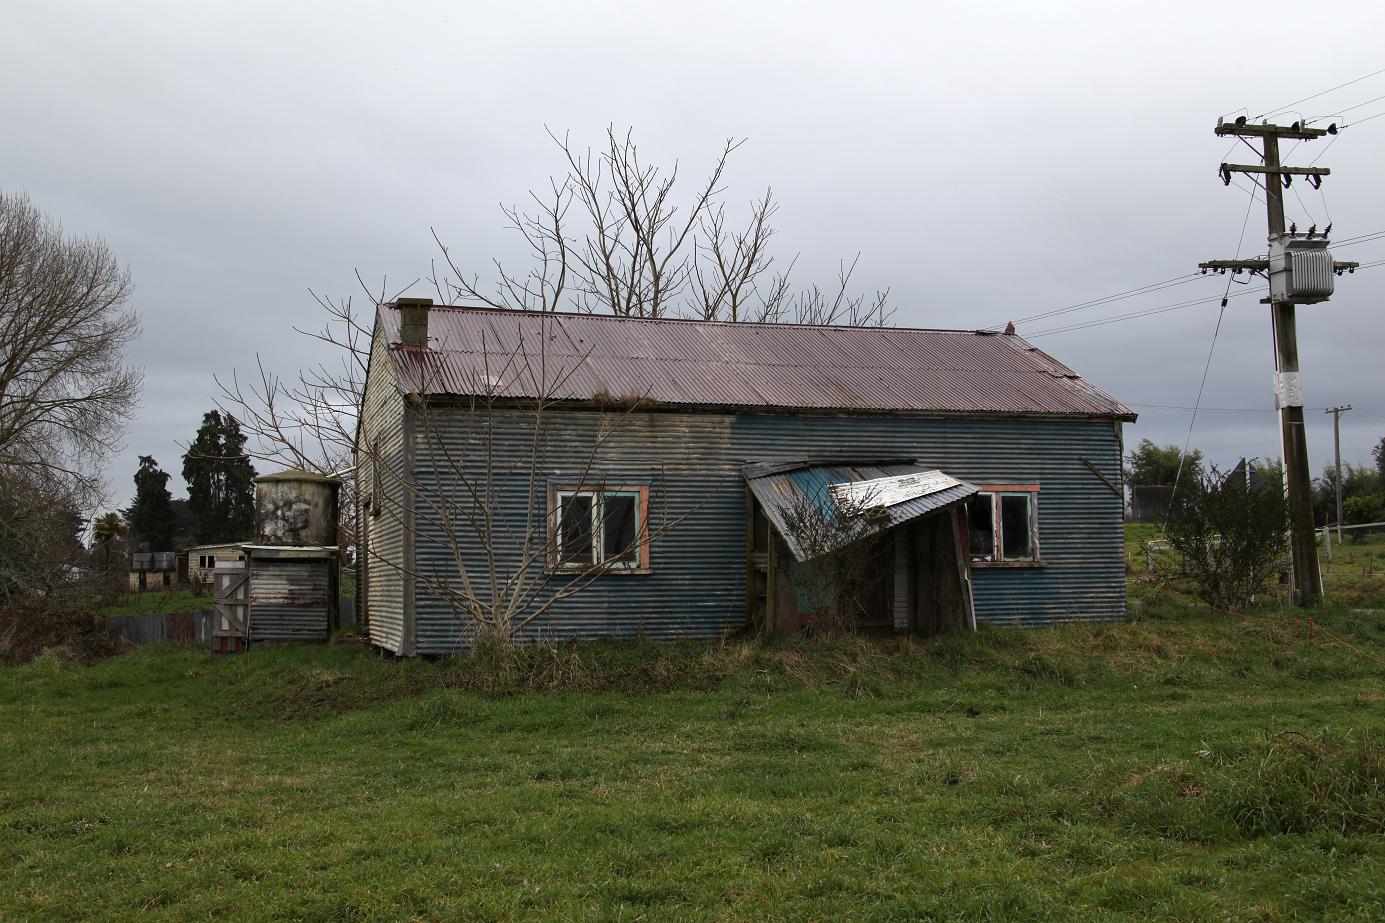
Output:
x,y
294,474
475,351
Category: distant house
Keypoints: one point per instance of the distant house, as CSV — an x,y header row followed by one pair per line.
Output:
x,y
202,559
153,570
983,475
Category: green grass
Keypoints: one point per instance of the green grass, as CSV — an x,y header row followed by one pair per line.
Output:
x,y
1183,766
160,601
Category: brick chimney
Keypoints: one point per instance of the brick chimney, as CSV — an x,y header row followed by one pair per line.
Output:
x,y
413,321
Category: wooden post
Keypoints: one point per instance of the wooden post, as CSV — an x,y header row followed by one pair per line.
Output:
x,y
1303,540
1337,449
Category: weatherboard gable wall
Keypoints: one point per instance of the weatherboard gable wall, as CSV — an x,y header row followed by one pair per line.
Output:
x,y
380,465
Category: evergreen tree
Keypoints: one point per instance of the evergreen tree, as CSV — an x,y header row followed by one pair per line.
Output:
x,y
151,516
221,480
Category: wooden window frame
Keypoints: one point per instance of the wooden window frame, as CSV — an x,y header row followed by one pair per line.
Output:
x,y
997,492
598,491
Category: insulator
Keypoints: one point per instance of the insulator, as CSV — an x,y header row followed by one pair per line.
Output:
x,y
1240,120
1332,129
1315,179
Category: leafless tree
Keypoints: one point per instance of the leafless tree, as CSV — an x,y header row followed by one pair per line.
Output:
x,y
65,391
488,456
40,524
308,421
838,547
610,236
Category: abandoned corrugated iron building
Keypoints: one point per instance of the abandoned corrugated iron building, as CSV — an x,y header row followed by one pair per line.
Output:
x,y
656,477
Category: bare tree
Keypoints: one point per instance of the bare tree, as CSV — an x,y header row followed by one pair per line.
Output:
x,y
611,237
837,544
308,421
65,392
40,527
499,545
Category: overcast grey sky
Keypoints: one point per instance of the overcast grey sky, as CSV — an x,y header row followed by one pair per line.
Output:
x,y
990,161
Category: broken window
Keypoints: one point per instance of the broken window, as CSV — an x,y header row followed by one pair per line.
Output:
x,y
619,526
601,526
1002,524
1015,523
981,526
575,527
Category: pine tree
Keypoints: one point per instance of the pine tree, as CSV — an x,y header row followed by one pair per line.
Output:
x,y
151,516
221,480
240,483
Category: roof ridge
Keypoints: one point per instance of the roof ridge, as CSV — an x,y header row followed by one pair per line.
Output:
x,y
581,315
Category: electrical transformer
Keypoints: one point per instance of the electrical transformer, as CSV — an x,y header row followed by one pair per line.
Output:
x,y
1300,269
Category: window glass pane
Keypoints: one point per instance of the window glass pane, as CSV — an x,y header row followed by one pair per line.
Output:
x,y
575,529
1014,526
620,527
980,526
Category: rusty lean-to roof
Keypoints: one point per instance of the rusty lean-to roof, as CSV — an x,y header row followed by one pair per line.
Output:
x,y
790,492
509,354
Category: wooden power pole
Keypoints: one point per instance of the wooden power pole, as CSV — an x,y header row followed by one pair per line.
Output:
x,y
1288,385
1337,448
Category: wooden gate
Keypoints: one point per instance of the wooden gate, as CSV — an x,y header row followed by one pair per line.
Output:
x,y
230,629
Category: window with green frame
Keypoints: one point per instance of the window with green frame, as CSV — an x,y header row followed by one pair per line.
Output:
x,y
599,526
1002,524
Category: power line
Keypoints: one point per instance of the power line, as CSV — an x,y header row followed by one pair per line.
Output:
x,y
1118,296
1359,121
1319,118
1161,309
1285,108
1207,409
1196,404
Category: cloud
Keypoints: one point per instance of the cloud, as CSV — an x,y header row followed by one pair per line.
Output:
x,y
989,163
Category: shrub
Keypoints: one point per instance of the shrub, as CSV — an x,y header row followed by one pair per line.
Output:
x,y
29,627
1230,537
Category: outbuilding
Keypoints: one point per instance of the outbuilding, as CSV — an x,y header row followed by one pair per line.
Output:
x,y
576,476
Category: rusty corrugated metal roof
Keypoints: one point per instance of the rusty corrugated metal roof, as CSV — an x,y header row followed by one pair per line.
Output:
x,y
479,351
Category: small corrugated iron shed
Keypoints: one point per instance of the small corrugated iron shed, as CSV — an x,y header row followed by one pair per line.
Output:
x,y
480,351
887,494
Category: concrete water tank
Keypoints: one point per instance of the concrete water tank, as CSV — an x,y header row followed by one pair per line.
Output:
x,y
296,508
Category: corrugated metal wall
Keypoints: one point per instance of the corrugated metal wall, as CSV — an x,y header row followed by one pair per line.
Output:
x,y
382,420
288,600
692,463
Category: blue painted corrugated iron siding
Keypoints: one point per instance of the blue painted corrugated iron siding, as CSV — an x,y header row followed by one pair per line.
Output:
x,y
693,463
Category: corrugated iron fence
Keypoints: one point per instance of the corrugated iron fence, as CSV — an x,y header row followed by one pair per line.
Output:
x,y
195,628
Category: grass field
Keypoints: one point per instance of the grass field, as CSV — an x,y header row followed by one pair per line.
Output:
x,y
161,601
1182,766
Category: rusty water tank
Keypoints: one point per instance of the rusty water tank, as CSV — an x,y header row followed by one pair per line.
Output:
x,y
296,508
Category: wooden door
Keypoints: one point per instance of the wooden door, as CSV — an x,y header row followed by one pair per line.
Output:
x,y
232,598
